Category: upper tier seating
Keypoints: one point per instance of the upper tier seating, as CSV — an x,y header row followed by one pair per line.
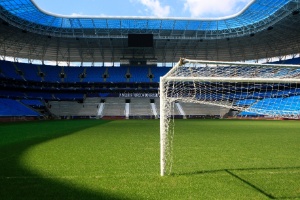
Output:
x,y
94,74
158,72
72,74
8,70
51,73
30,71
139,74
57,74
136,74
292,61
117,74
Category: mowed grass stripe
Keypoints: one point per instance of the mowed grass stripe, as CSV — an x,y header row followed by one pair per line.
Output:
x,y
92,159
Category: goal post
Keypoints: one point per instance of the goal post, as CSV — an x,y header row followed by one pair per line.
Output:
x,y
265,89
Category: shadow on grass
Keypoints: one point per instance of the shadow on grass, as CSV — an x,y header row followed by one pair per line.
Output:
x,y
232,172
17,182
237,169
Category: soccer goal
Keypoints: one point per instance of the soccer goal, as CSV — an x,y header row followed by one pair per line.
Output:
x,y
271,90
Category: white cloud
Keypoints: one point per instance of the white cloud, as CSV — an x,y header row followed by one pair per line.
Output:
x,y
213,8
83,15
155,7
76,15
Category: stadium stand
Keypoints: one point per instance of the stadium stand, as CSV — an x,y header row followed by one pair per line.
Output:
x,y
292,61
40,95
11,94
158,72
140,108
9,107
73,109
30,72
94,74
139,74
73,74
114,108
9,70
270,104
96,91
68,96
245,102
33,103
51,73
117,75
202,110
81,83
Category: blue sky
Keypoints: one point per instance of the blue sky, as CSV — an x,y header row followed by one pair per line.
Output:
x,y
155,8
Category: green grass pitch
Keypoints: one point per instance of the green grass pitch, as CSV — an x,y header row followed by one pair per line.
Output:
x,y
98,159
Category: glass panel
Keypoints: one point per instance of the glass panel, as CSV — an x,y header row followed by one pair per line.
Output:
x,y
259,10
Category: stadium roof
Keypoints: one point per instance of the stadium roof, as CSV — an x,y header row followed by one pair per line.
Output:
x,y
265,28
29,12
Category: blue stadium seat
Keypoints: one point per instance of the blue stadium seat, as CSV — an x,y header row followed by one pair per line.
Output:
x,y
68,96
32,102
158,72
11,94
39,95
292,61
104,94
139,74
276,106
9,107
30,71
51,73
72,74
248,114
9,71
94,74
245,102
117,74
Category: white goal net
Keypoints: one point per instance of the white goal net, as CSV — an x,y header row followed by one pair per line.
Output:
x,y
271,90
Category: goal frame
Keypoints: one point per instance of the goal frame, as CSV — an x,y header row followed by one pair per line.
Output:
x,y
165,103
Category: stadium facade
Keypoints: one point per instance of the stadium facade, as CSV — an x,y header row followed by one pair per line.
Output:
x,y
263,29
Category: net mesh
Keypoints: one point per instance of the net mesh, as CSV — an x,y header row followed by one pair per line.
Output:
x,y
251,89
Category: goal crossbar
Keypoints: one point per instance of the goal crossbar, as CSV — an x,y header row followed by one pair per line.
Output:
x,y
233,80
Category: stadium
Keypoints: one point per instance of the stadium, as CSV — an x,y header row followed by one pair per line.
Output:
x,y
83,100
